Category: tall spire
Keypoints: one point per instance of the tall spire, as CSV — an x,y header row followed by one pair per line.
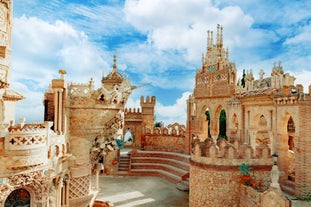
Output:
x,y
221,37
218,36
114,61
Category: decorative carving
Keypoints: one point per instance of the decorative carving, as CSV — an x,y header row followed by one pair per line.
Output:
x,y
79,187
35,181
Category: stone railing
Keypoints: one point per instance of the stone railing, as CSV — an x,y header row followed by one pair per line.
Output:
x,y
26,145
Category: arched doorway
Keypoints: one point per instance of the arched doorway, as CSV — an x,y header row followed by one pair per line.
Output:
x,y
222,124
262,135
19,197
291,146
128,137
208,119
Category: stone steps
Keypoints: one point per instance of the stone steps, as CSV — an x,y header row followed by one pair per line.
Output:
x,y
168,165
171,155
183,185
156,172
124,163
167,161
288,187
160,166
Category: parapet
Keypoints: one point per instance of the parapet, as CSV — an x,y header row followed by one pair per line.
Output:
x,y
230,154
148,100
171,130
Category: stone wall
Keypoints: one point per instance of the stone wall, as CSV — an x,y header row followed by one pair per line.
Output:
x,y
164,143
209,183
168,139
250,197
214,172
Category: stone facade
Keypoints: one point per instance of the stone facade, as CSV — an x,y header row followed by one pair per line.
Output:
x,y
167,139
50,163
136,121
268,113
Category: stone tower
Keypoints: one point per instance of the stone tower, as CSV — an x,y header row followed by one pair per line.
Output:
x,y
214,85
147,107
5,41
9,97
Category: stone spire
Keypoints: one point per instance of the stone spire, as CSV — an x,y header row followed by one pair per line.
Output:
x,y
114,68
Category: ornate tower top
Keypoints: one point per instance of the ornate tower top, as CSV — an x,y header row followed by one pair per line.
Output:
x,y
216,56
217,77
5,41
114,77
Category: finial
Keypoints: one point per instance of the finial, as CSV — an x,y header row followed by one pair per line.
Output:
x,y
261,73
62,73
114,61
221,36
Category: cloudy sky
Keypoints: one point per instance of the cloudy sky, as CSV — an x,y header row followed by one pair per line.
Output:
x,y
156,41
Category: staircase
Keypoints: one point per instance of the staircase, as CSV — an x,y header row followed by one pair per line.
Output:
x,y
124,164
168,165
288,188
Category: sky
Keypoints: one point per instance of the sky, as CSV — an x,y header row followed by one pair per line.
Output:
x,y
157,42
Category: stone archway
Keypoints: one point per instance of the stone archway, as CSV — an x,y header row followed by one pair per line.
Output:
x,y
128,137
285,146
291,147
262,136
18,197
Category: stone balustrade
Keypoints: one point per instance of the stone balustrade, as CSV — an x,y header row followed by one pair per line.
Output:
x,y
26,145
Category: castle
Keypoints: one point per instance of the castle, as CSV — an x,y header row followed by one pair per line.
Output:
x,y
230,122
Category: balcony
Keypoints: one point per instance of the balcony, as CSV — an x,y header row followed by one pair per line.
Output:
x,y
26,145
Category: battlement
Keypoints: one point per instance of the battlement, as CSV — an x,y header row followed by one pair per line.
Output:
x,y
171,130
81,89
231,154
148,100
132,111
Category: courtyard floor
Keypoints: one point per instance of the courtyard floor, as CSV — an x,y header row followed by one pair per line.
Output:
x,y
149,191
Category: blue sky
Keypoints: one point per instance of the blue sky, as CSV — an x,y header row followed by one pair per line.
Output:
x,y
156,41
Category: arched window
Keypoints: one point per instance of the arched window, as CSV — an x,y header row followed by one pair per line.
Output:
x,y
208,118
290,131
19,197
222,124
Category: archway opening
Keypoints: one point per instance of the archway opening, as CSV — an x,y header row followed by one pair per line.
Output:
x,y
19,197
262,136
291,146
222,124
208,119
290,132
235,126
128,137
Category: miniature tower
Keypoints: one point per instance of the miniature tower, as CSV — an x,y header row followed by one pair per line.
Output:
x,y
5,41
9,96
147,107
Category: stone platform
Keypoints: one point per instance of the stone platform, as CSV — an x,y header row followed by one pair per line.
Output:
x,y
147,191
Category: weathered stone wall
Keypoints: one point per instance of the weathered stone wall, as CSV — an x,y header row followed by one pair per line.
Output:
x,y
218,185
303,151
164,143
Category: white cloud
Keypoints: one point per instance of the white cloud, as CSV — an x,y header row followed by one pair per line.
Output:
x,y
173,113
40,49
187,30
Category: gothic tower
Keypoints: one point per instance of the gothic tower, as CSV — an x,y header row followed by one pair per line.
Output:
x,y
5,41
214,86
8,97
